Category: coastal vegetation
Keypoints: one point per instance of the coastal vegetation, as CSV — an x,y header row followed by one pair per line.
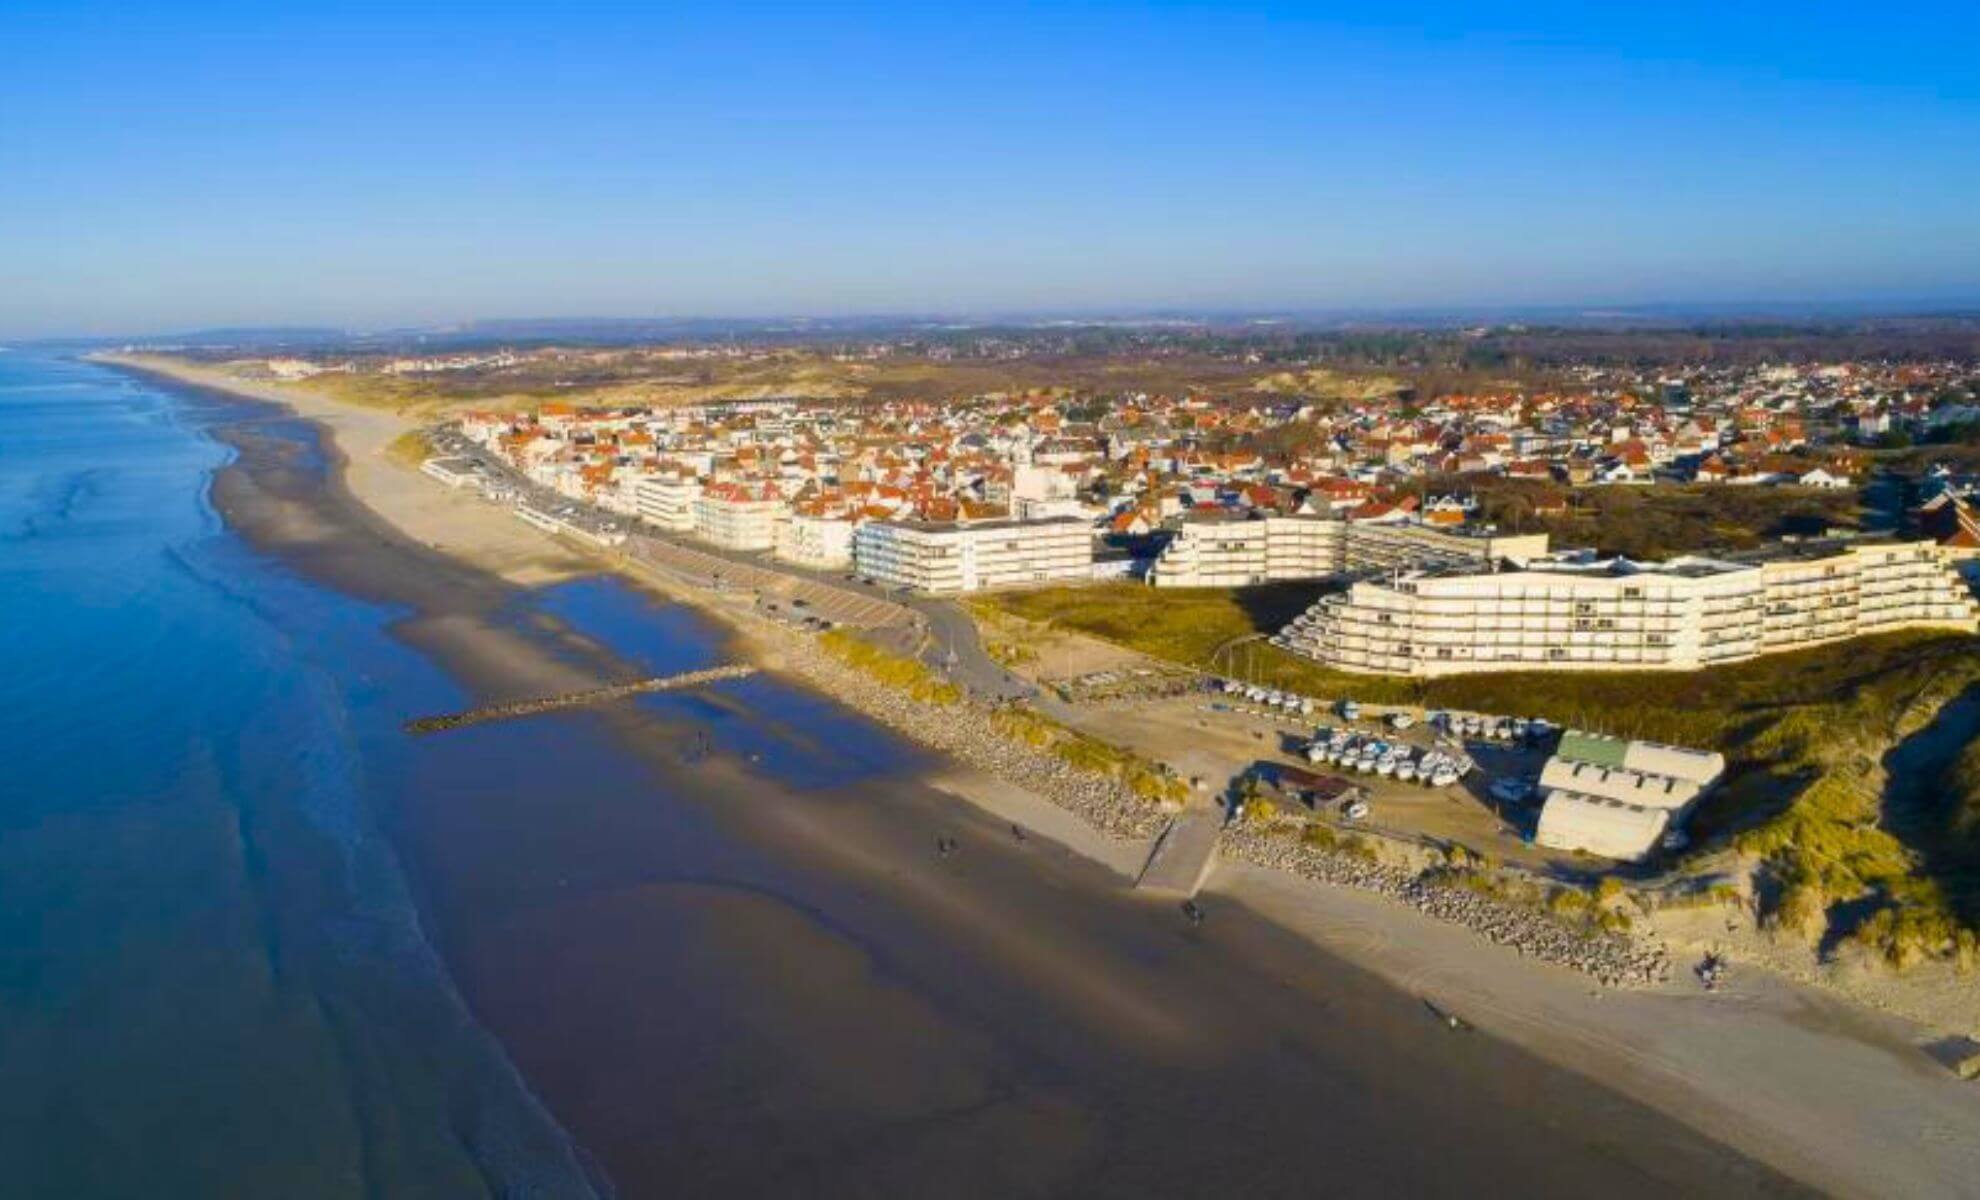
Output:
x,y
410,448
894,670
1963,784
1322,836
1206,628
1148,780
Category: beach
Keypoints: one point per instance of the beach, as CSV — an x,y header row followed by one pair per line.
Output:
x,y
1017,1012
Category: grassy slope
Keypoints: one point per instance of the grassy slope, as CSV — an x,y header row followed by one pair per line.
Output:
x,y
1661,522
1188,625
410,448
1805,734
1965,783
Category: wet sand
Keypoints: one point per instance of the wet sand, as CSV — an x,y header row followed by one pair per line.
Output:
x,y
721,979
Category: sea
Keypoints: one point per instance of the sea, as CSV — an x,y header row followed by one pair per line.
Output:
x,y
213,976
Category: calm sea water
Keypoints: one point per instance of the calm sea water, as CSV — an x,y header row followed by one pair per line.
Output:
x,y
212,978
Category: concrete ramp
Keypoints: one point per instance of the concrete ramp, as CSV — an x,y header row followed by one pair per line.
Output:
x,y
1183,855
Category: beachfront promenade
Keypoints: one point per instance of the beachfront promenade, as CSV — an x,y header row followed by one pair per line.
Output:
x,y
543,704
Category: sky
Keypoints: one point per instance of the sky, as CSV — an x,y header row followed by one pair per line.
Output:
x,y
170,167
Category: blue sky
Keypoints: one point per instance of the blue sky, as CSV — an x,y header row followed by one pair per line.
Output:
x,y
169,167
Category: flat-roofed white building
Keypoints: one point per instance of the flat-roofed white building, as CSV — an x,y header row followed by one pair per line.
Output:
x,y
1221,551
947,557
816,540
1615,614
667,500
1233,551
1618,799
737,516
454,472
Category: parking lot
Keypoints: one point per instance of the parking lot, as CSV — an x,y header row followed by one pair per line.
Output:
x,y
1219,738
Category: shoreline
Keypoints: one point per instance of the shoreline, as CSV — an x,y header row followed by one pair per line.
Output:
x,y
1795,1078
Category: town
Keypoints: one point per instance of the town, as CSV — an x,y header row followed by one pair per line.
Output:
x,y
1426,526
1435,511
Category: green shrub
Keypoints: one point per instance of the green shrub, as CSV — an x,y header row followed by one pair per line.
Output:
x,y
1569,902
895,671
1614,922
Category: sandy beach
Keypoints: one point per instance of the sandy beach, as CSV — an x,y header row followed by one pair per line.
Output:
x,y
1843,1100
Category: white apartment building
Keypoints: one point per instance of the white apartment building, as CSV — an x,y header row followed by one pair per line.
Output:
x,y
1211,551
737,517
945,558
1219,551
821,542
667,500
1616,614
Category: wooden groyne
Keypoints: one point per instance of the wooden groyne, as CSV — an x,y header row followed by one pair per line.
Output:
x,y
542,704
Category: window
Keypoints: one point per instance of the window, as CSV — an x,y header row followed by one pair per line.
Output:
x,y
1632,593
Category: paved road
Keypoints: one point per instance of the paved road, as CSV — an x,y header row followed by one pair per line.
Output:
x,y
955,646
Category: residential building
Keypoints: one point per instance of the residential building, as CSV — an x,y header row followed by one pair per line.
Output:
x,y
816,540
667,500
1585,614
946,558
1237,551
1222,551
735,516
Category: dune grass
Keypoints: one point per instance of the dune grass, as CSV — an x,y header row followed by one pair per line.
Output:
x,y
410,448
1144,778
894,670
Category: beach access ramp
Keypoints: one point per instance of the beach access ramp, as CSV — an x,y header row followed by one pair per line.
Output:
x,y
1183,855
